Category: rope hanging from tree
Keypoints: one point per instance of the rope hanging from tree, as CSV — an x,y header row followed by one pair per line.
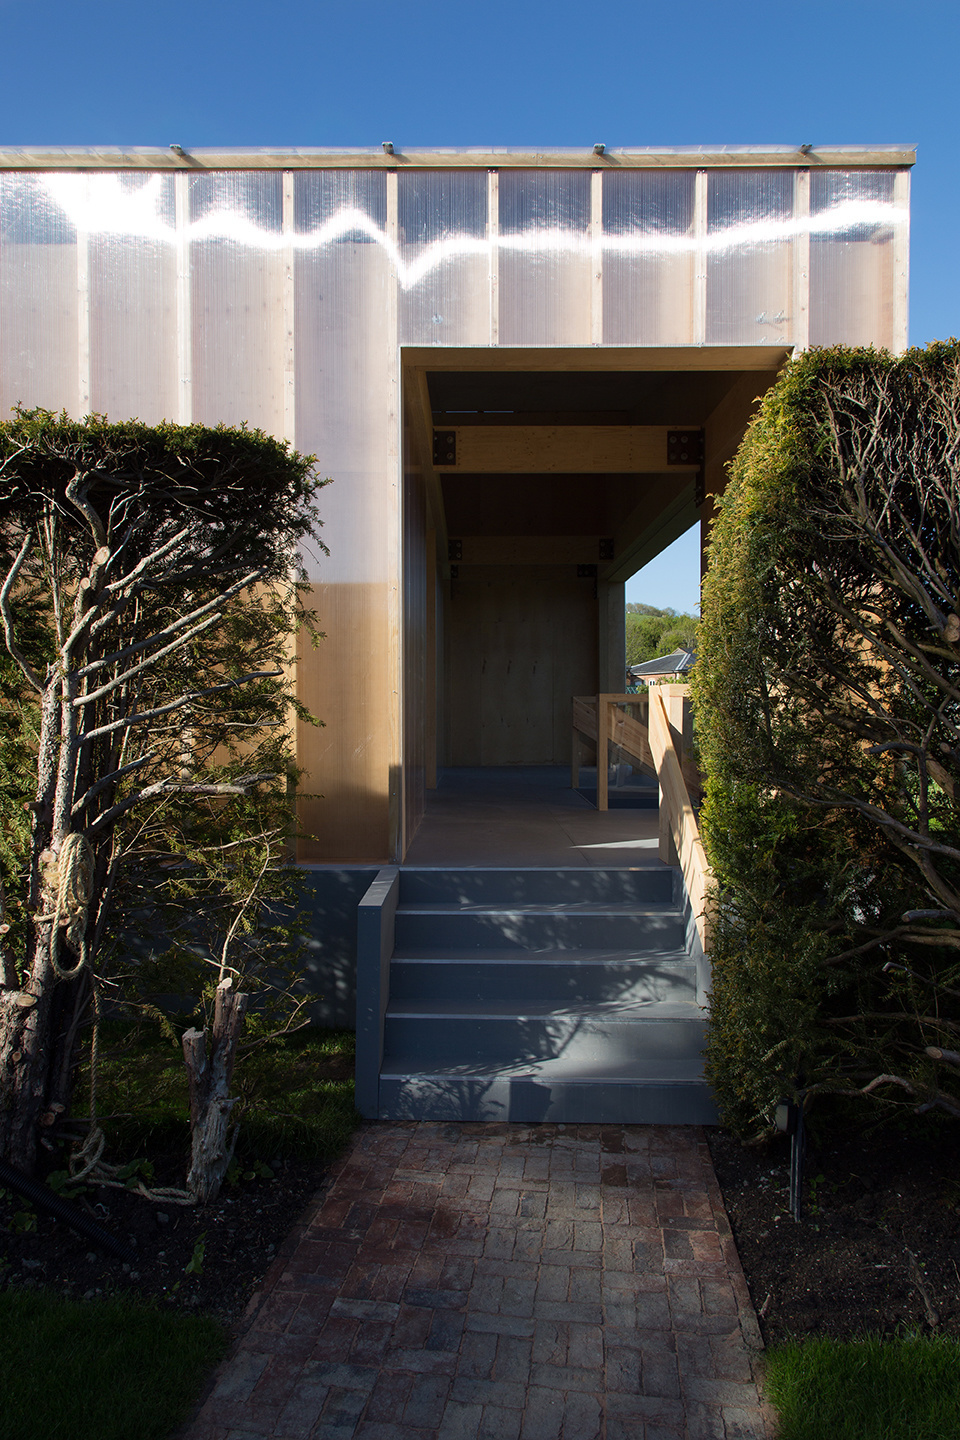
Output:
x,y
71,911
71,914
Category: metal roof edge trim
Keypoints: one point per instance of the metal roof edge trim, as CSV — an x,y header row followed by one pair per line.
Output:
x,y
679,158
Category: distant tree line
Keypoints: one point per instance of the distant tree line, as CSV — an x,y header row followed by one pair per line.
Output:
x,y
652,632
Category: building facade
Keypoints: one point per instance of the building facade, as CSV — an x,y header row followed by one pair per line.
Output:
x,y
525,374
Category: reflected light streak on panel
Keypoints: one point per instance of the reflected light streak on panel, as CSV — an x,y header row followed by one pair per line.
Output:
x,y
99,204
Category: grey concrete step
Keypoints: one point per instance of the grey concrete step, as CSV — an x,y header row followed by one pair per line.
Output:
x,y
649,1037
566,995
546,1093
654,883
539,927
549,977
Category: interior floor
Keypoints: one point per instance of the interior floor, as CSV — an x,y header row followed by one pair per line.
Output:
x,y
529,816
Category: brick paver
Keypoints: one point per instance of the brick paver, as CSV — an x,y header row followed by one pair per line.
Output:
x,y
502,1282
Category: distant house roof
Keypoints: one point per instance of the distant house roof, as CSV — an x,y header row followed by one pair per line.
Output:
x,y
678,662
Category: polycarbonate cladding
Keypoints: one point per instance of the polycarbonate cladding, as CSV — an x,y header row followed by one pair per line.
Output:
x,y
281,298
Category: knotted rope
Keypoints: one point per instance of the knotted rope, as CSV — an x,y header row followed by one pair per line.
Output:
x,y
71,912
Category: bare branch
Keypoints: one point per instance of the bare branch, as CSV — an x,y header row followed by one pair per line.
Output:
x,y
172,787
110,779
30,674
147,664
86,509
172,629
139,716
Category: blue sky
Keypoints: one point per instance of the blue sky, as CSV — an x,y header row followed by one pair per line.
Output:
x,y
527,73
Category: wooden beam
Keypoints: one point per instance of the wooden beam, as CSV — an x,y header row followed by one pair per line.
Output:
x,y
559,359
562,450
528,549
444,419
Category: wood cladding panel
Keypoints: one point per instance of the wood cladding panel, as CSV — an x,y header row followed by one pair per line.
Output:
x,y
520,643
346,790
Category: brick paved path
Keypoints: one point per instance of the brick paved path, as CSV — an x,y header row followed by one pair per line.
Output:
x,y
502,1282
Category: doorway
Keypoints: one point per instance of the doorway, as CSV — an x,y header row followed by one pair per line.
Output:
x,y
536,482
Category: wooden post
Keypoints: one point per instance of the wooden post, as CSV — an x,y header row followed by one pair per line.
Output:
x,y
493,239
801,260
596,257
901,261
181,200
287,223
601,752
83,311
700,263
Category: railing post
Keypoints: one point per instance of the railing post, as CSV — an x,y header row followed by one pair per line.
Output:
x,y
601,753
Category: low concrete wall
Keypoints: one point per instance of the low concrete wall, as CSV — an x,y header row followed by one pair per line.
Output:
x,y
331,898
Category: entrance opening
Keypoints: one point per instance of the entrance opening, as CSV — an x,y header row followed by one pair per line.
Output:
x,y
535,484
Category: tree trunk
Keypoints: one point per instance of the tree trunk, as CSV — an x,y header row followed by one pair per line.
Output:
x,y
27,1012
210,1101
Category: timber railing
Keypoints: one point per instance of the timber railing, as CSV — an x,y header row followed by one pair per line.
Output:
x,y
655,731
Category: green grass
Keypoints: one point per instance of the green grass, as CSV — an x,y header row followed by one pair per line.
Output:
x,y
866,1389
286,1106
70,1369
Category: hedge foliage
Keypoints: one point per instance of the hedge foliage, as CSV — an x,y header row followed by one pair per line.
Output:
x,y
828,705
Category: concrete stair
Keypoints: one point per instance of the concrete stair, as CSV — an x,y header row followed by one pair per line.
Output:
x,y
561,995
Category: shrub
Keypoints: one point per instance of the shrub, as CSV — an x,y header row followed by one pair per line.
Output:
x,y
828,695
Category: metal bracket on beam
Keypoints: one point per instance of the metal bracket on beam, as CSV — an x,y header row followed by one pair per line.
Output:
x,y
454,549
444,447
684,447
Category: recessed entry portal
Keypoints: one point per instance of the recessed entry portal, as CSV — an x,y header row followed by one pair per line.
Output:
x,y
536,482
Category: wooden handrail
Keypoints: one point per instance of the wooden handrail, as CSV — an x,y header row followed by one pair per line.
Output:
x,y
622,729
680,842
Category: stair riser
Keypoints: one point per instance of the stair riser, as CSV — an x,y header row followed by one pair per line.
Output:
x,y
557,931
589,1040
560,983
537,887
527,1101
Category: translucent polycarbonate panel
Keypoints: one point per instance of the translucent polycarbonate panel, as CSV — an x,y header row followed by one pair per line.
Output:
x,y
444,253
544,257
236,298
749,257
648,257
346,363
39,347
132,255
853,220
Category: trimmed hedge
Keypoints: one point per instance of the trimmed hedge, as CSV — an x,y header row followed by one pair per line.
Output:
x,y
828,704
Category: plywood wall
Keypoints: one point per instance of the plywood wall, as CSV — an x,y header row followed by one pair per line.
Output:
x,y
351,797
520,641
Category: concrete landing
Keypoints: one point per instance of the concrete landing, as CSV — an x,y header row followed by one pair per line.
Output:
x,y
502,1282
527,815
